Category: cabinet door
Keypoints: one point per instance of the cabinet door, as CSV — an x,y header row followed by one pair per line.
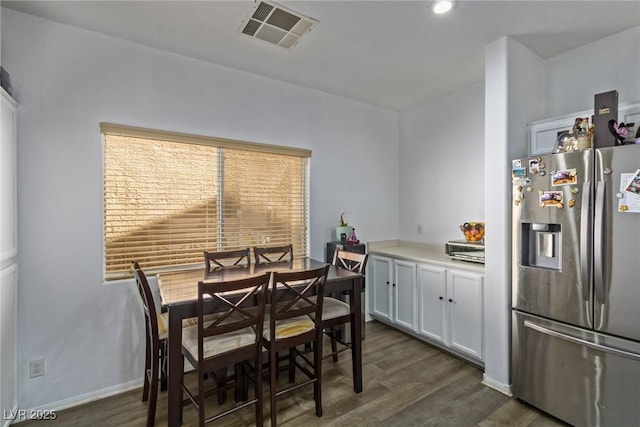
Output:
x,y
543,135
404,285
381,285
465,307
432,290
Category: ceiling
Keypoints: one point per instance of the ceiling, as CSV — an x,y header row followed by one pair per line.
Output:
x,y
394,54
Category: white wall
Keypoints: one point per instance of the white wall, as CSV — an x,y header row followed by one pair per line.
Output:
x,y
67,81
514,82
442,166
573,78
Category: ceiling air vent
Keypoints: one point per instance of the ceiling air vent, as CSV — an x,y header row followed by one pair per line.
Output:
x,y
276,24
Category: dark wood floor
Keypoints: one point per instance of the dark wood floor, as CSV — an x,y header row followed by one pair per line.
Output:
x,y
406,383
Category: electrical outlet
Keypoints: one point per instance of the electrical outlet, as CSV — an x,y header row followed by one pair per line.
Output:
x,y
36,368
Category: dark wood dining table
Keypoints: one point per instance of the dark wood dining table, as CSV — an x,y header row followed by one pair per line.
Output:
x,y
179,295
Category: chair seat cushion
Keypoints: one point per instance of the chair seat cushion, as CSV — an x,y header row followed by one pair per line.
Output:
x,y
163,323
215,345
333,307
288,327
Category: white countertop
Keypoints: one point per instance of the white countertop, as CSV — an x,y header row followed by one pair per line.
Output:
x,y
421,252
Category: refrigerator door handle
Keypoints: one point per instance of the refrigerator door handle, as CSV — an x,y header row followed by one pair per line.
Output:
x,y
585,248
585,238
580,341
598,227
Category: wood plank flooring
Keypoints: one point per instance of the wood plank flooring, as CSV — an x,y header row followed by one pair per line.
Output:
x,y
406,383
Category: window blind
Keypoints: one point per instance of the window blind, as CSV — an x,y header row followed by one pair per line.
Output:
x,y
168,197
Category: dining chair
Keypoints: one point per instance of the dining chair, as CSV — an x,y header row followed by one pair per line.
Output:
x,y
217,261
273,254
155,364
230,338
336,312
221,260
293,319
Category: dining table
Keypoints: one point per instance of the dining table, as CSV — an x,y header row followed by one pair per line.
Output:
x,y
179,296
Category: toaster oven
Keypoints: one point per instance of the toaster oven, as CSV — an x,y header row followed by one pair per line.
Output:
x,y
465,251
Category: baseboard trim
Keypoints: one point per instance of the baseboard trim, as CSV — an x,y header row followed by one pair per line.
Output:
x,y
502,388
84,398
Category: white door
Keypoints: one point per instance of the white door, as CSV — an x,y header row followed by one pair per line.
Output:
x,y
404,285
465,307
432,292
381,285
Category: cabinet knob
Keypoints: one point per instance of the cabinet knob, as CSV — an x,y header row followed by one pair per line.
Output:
x,y
387,283
394,285
450,300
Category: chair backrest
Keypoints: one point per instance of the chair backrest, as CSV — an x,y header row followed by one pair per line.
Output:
x,y
148,303
273,254
215,261
350,260
235,303
295,294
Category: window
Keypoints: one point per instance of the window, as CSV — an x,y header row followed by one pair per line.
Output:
x,y
170,196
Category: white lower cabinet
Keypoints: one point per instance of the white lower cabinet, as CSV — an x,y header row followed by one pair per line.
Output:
x,y
438,304
394,291
381,270
432,293
404,288
465,312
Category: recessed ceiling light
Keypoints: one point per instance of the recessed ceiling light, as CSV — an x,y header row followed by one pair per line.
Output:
x,y
443,6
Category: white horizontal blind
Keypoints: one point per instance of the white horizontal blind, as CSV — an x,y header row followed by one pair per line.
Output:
x,y
165,202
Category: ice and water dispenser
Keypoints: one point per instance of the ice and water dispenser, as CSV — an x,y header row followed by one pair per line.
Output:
x,y
541,245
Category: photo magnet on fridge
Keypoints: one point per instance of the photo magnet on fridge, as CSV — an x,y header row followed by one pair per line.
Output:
x,y
634,184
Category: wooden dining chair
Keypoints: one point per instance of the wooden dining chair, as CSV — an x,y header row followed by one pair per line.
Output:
x,y
217,261
293,319
155,365
336,312
231,338
273,254
221,260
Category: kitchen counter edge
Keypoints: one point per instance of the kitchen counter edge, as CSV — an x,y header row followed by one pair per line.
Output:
x,y
429,253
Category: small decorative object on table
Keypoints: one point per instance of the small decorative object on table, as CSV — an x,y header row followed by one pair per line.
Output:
x,y
342,229
353,240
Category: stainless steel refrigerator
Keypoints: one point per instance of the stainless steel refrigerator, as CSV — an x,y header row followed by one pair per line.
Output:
x,y
576,285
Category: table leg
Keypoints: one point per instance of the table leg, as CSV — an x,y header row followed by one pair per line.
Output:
x,y
356,335
176,367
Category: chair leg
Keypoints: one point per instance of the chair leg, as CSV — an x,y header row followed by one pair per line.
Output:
x,y
273,385
147,367
201,402
221,380
164,365
258,390
334,345
153,392
241,387
317,367
292,366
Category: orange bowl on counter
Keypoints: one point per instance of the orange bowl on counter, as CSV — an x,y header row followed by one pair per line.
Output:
x,y
473,231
